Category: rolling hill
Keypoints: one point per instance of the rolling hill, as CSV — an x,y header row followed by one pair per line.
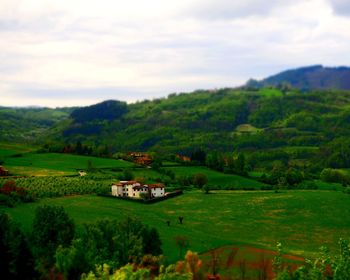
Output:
x,y
309,78
271,125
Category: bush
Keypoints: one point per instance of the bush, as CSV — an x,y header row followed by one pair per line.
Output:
x,y
347,190
7,201
308,185
334,176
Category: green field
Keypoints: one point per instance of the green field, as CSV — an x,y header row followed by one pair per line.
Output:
x,y
302,220
270,92
57,164
7,149
216,178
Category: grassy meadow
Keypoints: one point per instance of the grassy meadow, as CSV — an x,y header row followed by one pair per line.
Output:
x,y
37,164
216,178
302,220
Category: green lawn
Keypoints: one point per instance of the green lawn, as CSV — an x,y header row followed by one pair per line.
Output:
x,y
218,178
49,163
8,149
302,220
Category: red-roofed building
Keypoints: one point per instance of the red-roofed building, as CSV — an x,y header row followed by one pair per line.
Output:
x,y
183,158
157,190
134,189
141,158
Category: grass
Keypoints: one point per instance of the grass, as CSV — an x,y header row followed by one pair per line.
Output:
x,y
270,92
8,149
217,178
328,186
247,128
302,220
63,164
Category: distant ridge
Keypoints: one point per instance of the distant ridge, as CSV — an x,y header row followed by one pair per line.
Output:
x,y
309,78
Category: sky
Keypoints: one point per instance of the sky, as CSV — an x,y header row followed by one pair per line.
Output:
x,y
59,53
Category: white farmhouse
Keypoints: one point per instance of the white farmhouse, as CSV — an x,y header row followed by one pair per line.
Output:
x,y
157,190
134,189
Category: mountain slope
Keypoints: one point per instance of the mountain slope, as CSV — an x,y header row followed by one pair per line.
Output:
x,y
213,121
308,78
29,124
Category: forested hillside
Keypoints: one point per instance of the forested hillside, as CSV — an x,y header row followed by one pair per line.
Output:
x,y
270,126
29,124
223,120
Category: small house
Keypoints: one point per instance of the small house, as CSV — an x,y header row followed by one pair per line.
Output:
x,y
82,173
156,190
3,171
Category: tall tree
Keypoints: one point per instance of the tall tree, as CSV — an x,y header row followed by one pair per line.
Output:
x,y
16,259
51,227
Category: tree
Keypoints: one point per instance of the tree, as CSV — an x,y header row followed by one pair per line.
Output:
x,y
192,265
52,227
200,179
127,175
90,166
79,148
16,259
107,242
151,242
206,189
199,155
240,164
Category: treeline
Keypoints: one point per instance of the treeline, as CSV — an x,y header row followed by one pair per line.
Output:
x,y
78,148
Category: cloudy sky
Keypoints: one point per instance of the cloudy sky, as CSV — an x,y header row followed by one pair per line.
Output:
x,y
79,52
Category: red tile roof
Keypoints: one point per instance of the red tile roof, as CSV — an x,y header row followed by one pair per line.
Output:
x,y
155,186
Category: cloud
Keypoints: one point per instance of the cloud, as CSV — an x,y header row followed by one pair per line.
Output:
x,y
228,9
341,7
75,52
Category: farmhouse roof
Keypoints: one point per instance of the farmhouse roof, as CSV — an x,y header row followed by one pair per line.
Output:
x,y
156,186
123,183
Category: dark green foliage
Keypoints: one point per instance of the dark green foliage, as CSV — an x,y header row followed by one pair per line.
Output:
x,y
107,110
16,259
127,175
198,156
283,178
107,242
200,179
215,161
52,227
324,267
337,153
28,124
335,176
